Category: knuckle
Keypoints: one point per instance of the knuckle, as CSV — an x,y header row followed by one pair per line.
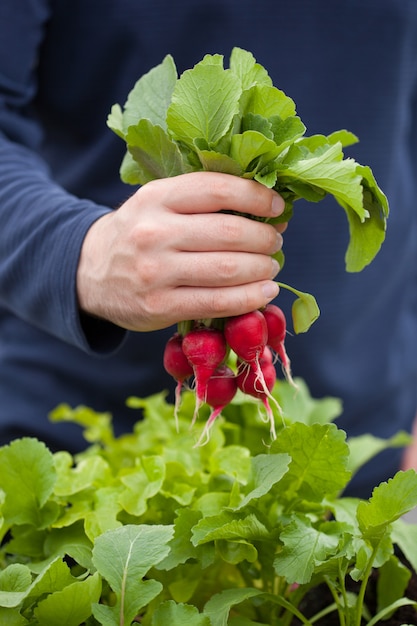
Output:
x,y
229,229
226,268
149,271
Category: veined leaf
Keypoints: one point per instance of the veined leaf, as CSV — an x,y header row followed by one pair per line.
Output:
x,y
244,65
389,501
218,607
319,454
150,97
212,161
154,152
267,100
304,548
123,557
245,148
327,170
141,483
170,612
228,526
204,103
27,477
72,605
366,238
14,583
267,470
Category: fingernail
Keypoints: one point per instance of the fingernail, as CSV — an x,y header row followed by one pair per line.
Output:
x,y
278,243
277,205
270,290
275,267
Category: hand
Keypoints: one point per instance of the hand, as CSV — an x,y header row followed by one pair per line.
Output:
x,y
167,254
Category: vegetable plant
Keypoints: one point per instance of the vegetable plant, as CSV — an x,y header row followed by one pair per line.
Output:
x,y
234,120
146,528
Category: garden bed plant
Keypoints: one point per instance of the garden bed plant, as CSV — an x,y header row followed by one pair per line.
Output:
x,y
148,527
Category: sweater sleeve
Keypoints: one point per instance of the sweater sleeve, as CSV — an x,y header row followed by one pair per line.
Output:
x,y
42,226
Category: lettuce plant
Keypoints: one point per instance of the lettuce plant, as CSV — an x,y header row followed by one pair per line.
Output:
x,y
147,527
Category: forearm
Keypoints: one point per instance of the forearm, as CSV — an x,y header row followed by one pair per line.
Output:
x,y
42,229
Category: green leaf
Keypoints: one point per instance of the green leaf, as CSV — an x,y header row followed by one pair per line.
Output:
x,y
115,120
154,152
14,582
319,456
234,552
286,131
142,482
262,125
181,548
389,501
229,526
245,148
88,473
97,426
204,103
267,470
12,618
404,535
72,605
366,237
218,607
105,513
325,169
267,101
55,576
27,477
212,161
304,548
234,461
150,97
392,582
345,137
171,613
243,64
123,557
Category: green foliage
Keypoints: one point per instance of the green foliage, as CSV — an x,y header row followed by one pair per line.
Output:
x,y
233,532
234,120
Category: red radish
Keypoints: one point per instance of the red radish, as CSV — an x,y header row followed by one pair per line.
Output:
x,y
249,382
177,365
220,391
205,349
247,335
266,356
277,328
276,324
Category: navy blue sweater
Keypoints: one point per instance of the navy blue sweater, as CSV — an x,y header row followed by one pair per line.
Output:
x,y
63,63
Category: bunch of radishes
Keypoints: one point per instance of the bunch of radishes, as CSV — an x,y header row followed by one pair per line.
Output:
x,y
199,357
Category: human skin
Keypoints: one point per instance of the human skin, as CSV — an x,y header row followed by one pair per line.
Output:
x,y
167,254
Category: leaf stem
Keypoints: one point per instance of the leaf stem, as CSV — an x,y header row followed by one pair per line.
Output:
x,y
364,583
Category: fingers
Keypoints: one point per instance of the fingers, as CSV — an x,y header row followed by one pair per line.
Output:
x,y
221,269
209,192
200,303
209,232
